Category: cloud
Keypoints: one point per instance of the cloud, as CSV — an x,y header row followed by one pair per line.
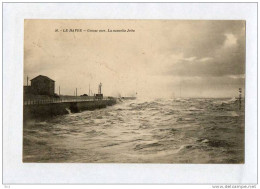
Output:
x,y
210,52
230,41
154,60
205,59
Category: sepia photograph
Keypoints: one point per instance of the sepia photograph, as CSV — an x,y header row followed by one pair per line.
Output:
x,y
134,91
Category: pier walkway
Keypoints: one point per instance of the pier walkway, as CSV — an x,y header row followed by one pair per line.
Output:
x,y
60,100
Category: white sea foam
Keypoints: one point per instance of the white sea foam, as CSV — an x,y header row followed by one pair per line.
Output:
x,y
154,131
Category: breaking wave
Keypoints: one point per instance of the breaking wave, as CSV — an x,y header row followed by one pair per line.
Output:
x,y
142,131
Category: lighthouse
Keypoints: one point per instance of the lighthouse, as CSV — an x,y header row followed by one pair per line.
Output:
x,y
99,95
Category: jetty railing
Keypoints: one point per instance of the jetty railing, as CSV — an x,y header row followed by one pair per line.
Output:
x,y
60,100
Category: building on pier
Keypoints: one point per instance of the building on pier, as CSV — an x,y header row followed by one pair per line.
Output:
x,y
42,85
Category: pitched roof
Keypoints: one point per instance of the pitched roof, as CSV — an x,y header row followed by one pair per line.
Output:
x,y
43,76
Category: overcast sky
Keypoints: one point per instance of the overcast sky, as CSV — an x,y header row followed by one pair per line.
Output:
x,y
162,58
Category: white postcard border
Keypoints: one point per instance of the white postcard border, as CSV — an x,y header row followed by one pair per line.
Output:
x,y
17,172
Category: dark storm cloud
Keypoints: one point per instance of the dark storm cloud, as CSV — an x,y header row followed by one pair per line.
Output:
x,y
202,38
213,48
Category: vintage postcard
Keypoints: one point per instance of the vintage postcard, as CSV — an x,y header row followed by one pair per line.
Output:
x,y
134,91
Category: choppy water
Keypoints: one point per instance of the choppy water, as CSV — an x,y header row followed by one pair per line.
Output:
x,y
142,131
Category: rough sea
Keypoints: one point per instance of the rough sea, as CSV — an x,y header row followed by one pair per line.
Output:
x,y
142,131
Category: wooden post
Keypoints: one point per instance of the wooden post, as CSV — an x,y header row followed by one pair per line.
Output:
x,y
240,96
